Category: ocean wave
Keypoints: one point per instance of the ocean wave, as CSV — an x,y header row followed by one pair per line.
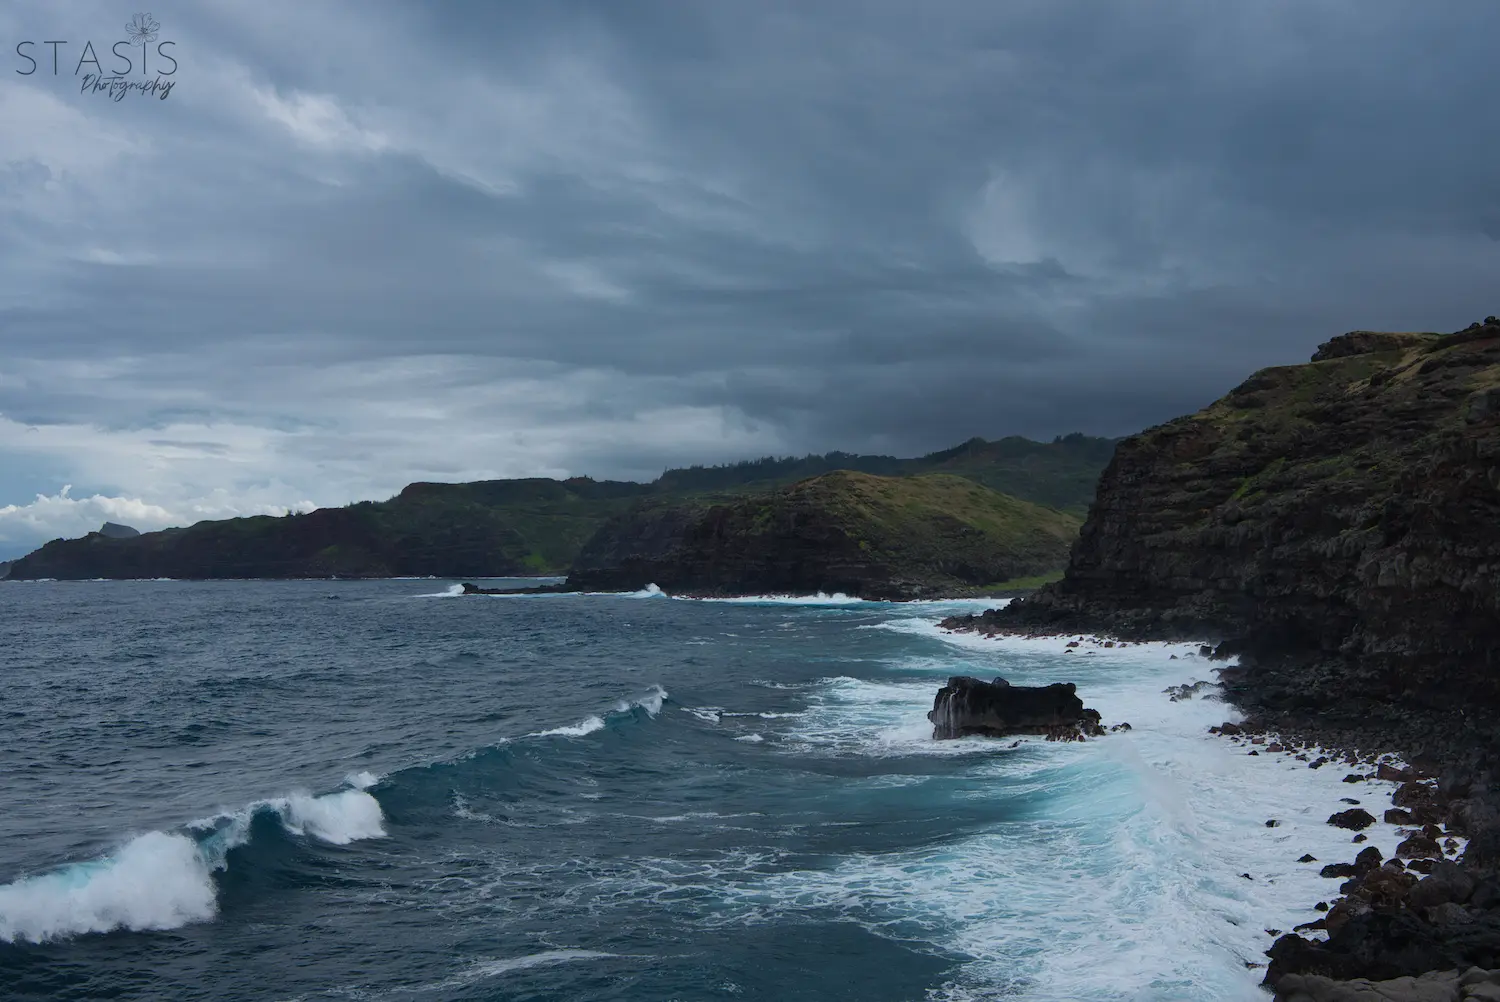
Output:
x,y
492,968
164,880
1172,873
652,702
588,725
452,591
820,599
155,881
817,598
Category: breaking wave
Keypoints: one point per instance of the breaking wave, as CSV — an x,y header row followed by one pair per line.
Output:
x,y
164,880
651,703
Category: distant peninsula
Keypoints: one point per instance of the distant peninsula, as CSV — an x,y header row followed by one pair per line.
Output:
x,y
998,514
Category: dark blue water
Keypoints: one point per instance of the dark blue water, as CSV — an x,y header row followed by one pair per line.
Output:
x,y
357,790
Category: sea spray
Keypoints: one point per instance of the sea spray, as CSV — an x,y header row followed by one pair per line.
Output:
x,y
164,880
155,881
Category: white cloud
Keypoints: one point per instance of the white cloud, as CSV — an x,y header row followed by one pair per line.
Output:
x,y
344,432
38,125
60,515
586,280
1002,225
319,120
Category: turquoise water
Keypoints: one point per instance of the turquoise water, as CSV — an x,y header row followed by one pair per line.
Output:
x,y
377,790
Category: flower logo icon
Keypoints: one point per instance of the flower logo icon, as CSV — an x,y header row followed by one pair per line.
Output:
x,y
142,29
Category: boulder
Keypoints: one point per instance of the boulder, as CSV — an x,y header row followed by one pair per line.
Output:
x,y
969,706
1437,987
1419,847
1354,819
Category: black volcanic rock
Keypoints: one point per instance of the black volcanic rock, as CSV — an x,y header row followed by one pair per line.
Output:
x,y
1354,819
469,588
114,530
968,706
1334,525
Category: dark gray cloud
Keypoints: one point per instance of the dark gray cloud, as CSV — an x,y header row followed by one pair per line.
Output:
x,y
360,245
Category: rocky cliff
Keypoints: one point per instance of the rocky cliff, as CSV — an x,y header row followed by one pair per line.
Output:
x,y
878,537
1337,524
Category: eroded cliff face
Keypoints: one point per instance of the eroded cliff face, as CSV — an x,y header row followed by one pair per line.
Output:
x,y
1335,523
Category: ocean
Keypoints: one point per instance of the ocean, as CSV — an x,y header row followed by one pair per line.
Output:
x,y
386,791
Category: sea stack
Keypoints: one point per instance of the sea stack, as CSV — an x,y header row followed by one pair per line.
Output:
x,y
969,706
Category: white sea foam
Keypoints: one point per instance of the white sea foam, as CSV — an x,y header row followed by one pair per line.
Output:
x,y
462,810
493,968
452,591
764,714
651,702
336,818
490,968
154,881
818,598
163,880
650,591
1126,879
586,726
1123,881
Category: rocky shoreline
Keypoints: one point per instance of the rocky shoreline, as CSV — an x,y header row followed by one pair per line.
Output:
x,y
1422,925
950,595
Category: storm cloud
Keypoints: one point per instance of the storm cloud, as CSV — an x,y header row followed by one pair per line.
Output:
x,y
358,245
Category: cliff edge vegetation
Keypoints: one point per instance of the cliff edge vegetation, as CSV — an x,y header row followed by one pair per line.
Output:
x,y
876,537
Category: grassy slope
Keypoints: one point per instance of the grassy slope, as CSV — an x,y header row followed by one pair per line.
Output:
x,y
843,531
940,519
526,526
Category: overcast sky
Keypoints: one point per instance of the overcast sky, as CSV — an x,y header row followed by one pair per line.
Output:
x,y
360,244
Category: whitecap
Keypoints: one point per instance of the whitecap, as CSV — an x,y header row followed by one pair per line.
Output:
x,y
586,726
154,881
651,702
452,591
163,880
490,968
335,818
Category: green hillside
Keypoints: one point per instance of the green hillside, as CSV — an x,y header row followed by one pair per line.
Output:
x,y
527,526
880,537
